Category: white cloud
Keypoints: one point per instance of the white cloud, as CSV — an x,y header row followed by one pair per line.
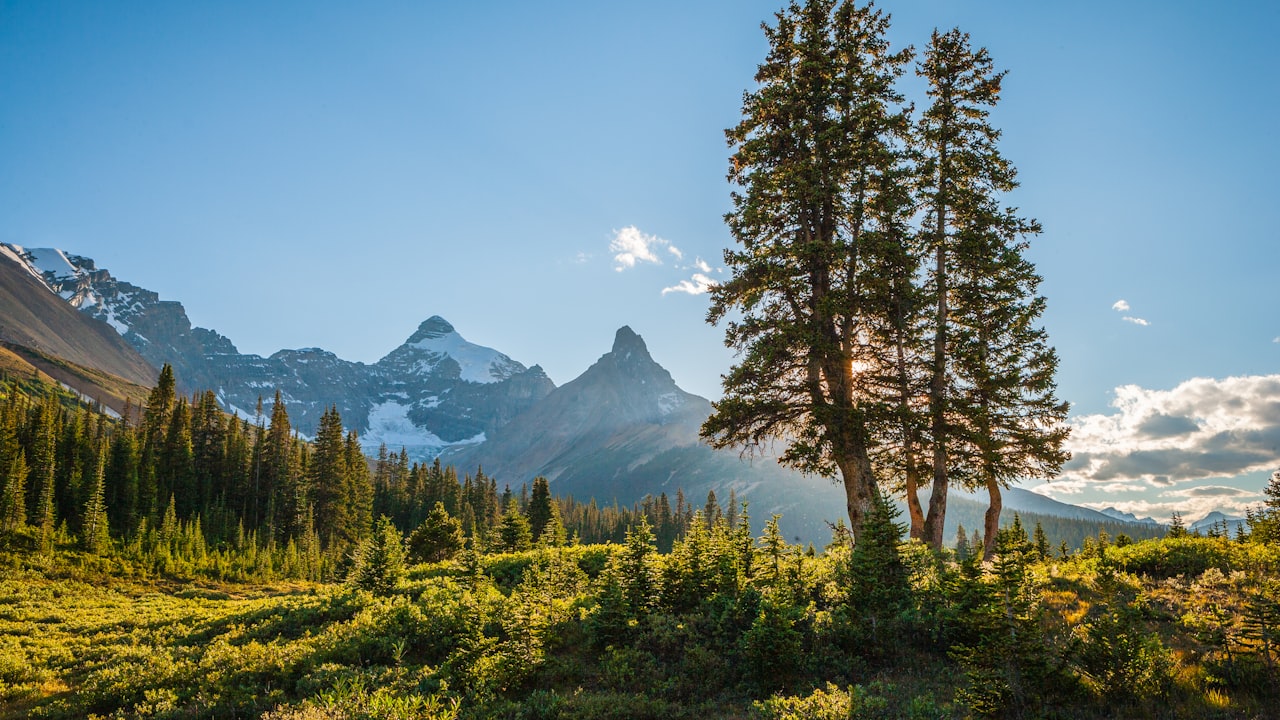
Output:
x,y
704,267
697,285
1135,320
582,258
1276,339
1120,306
675,251
1203,428
631,247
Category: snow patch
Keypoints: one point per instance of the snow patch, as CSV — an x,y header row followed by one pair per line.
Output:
x,y
389,424
52,262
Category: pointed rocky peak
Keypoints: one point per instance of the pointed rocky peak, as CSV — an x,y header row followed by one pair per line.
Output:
x,y
432,328
627,343
629,364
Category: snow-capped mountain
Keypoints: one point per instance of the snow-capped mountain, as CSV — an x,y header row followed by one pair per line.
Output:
x,y
434,391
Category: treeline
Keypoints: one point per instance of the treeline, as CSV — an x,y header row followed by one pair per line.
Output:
x,y
181,486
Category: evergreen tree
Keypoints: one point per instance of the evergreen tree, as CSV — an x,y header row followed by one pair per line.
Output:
x,y
991,402
962,544
514,533
155,421
175,470
379,562
359,491
13,498
438,538
540,507
94,534
879,585
328,479
283,493
41,476
1177,528
711,510
122,475
822,128
1041,543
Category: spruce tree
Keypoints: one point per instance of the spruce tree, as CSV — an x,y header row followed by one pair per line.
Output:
x,y
991,402
379,562
42,474
514,533
438,538
359,491
540,507
13,498
155,422
327,479
94,534
822,128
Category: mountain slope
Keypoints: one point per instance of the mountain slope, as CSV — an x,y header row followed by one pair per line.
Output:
x,y
48,333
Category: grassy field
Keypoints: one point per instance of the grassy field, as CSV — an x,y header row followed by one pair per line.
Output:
x,y
1158,629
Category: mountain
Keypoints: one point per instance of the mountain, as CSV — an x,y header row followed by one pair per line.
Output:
x,y
1021,500
1127,517
1215,517
624,429
40,328
433,391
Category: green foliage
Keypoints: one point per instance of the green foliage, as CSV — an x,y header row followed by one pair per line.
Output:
x,y
1192,556
379,561
439,537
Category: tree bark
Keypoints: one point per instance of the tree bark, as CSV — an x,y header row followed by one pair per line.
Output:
x,y
991,524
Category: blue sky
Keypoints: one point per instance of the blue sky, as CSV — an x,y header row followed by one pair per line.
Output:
x,y
331,174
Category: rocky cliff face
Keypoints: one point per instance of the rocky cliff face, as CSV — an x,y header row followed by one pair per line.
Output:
x,y
434,391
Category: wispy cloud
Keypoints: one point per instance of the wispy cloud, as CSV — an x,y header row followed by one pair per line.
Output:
x,y
1135,320
1276,339
696,285
675,251
631,247
1120,306
704,267
1203,428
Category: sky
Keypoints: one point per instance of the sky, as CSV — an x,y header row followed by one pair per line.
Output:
x,y
331,174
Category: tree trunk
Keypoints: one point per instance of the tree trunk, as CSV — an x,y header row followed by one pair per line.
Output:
x,y
859,488
938,387
992,520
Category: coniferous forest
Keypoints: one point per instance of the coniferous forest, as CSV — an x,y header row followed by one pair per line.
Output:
x,y
175,561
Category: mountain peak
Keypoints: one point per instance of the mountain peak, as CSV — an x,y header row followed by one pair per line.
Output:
x,y
431,328
626,343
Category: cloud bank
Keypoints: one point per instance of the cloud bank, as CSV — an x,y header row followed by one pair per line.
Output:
x,y
1203,428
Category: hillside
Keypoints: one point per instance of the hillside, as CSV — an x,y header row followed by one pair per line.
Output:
x,y
49,334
